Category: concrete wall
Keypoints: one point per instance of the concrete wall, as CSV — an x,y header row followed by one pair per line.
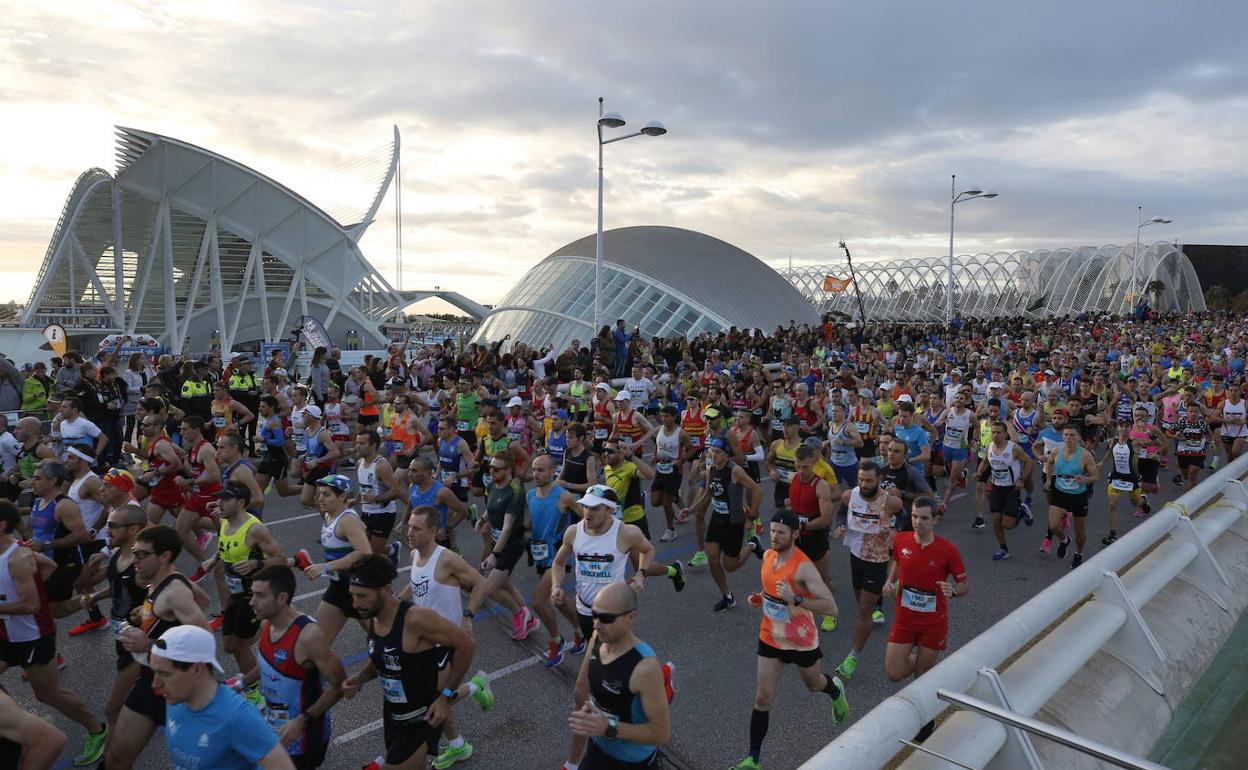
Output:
x,y
1109,702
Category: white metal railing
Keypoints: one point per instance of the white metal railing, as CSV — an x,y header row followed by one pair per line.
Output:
x,y
1109,621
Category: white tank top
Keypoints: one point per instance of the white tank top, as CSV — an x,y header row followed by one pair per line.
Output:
x,y
599,562
17,628
1122,459
427,592
1004,466
369,484
668,447
958,428
297,432
1234,430
90,509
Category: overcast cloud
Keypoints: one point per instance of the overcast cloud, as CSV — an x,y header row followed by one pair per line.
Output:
x,y
792,123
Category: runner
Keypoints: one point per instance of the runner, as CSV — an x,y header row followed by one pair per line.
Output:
x,y
1007,467
781,461
58,532
299,675
408,648
344,541
227,414
438,576
671,445
813,499
274,462
792,590
1070,470
1191,437
843,443
551,508
1233,416
379,489
171,601
629,426
1154,445
920,579
236,469
865,526
454,456
426,489
958,422
1124,478
26,741
504,526
198,487
162,477
724,494
579,470
626,716
320,455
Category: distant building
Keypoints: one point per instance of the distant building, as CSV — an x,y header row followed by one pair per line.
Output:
x,y
1225,266
667,280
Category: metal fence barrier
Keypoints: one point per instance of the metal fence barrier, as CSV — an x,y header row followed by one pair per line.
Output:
x,y
1105,618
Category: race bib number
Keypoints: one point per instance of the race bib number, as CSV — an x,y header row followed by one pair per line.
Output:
x,y
785,475
233,582
918,601
540,550
462,426
393,690
495,534
1122,485
1067,484
775,610
448,477
719,507
777,425
1002,477
301,444
116,626
487,479
601,433
218,421
276,717
1144,453
953,436
515,437
663,467
592,571
862,427
695,441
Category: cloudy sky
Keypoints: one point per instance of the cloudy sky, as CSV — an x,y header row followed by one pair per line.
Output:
x,y
792,124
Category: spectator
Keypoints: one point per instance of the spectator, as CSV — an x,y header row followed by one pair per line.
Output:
x,y
11,382
37,389
622,339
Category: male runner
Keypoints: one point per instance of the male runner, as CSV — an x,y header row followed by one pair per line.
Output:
x,y
344,542
626,715
236,469
865,523
454,455
671,445
551,508
504,523
1071,471
28,633
727,485
171,601
792,590
919,578
813,499
427,489
1124,477
300,676
198,487
579,470
379,489
1008,467
406,649
320,455
57,531
274,462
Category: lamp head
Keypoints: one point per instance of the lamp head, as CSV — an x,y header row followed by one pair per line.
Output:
x,y
1161,220
654,128
989,194
611,120
972,191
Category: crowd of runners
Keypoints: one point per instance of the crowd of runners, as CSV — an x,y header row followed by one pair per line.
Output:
x,y
774,453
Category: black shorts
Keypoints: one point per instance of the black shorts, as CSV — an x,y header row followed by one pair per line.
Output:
x,y
379,524
542,569
124,659
238,619
799,658
368,419
313,475
403,739
339,595
60,584
728,535
867,576
752,468
510,556
814,543
1229,440
144,701
469,436
275,464
312,756
36,652
1191,461
868,449
597,759
780,493
667,483
1148,470
644,525
403,461
1003,500
1076,503
586,624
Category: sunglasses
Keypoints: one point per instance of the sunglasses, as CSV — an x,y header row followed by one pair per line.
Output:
x,y
607,618
139,554
119,525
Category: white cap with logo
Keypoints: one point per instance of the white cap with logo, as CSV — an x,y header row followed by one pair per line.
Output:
x,y
188,644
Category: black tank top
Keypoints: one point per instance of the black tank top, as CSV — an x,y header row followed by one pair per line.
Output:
x,y
127,593
725,494
608,683
409,680
153,624
574,468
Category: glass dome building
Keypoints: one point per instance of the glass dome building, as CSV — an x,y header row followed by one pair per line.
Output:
x,y
667,280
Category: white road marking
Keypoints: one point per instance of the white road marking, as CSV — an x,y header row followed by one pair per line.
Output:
x,y
272,524
310,594
959,496
373,726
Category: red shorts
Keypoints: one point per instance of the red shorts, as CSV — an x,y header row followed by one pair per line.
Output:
x,y
167,495
933,637
198,503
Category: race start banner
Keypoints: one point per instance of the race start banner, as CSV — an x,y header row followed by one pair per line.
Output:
x,y
314,332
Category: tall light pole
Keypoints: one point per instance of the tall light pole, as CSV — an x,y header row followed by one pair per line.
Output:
x,y
1140,224
611,120
955,198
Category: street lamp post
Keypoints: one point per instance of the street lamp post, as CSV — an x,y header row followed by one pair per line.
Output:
x,y
1140,224
955,198
611,120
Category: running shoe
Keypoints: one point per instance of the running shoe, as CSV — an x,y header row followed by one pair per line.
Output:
x,y
375,764
303,559
554,652
669,680
962,479
925,731
698,559
94,749
940,508
253,696
472,513
484,696
204,539
877,617
1076,560
758,526
217,621
521,631
579,643
749,763
677,576
1177,480
840,706
1148,508
668,536
1024,509
757,546
1213,464
450,755
392,553
1108,540
89,625
828,623
848,666
1046,544
978,523
1062,548
199,574
681,516
726,603
1001,554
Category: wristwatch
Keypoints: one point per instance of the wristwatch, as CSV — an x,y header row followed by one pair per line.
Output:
x,y
448,693
613,726
797,600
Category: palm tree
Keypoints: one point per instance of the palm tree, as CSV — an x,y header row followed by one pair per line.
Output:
x,y
1217,296
1156,287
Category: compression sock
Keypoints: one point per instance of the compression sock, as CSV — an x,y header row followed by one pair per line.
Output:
x,y
830,688
759,720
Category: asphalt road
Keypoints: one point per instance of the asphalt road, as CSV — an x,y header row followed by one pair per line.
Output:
x,y
714,654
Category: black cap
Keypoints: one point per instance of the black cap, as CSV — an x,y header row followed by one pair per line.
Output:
x,y
787,518
235,491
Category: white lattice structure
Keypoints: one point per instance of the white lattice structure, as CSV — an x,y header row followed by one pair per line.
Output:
x,y
1032,283
182,242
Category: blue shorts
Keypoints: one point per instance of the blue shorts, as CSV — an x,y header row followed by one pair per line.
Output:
x,y
953,455
847,475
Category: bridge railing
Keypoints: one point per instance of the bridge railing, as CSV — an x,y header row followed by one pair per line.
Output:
x,y
1098,606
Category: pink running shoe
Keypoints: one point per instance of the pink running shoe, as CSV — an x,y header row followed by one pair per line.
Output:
x,y
1046,544
519,622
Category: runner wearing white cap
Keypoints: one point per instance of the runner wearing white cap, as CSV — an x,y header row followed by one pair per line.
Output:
x,y
320,455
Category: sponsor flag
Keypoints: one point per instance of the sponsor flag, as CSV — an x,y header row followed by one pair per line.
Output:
x,y
314,332
835,285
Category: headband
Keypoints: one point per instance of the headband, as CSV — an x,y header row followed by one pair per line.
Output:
x,y
76,452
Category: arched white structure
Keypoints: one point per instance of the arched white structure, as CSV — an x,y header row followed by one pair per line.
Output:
x,y
182,241
1036,284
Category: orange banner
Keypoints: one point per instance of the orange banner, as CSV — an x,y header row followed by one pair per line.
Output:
x,y
835,285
